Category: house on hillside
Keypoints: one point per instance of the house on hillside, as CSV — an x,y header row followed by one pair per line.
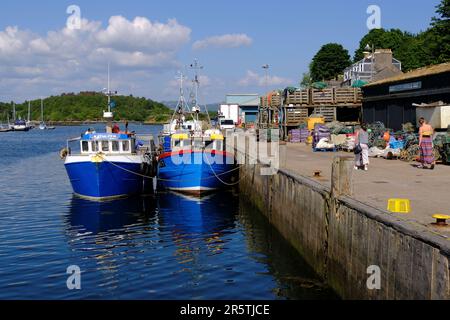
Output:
x,y
373,67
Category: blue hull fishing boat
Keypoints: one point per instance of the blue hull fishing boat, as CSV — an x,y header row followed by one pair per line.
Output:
x,y
196,172
110,165
107,167
194,160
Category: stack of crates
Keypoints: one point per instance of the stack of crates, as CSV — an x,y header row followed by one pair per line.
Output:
x,y
446,151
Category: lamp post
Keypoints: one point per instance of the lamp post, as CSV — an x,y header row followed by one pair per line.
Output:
x,y
266,68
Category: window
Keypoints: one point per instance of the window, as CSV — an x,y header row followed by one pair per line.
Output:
x,y
95,146
105,146
115,146
176,143
125,146
85,146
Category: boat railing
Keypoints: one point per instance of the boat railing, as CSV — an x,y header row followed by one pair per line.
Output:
x,y
69,141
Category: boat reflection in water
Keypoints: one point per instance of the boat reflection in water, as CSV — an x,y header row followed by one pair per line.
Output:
x,y
172,246
198,226
191,215
95,217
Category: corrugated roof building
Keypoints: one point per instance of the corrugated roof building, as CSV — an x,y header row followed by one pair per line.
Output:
x,y
248,106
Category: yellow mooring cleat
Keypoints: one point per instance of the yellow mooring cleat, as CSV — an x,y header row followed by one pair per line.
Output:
x,y
441,219
399,205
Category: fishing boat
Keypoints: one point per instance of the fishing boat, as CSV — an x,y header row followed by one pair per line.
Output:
x,y
42,125
193,160
110,165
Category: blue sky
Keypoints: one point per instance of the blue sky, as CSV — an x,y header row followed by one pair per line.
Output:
x,y
39,58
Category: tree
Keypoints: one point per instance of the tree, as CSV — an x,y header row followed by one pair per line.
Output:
x,y
329,62
383,39
306,81
90,106
439,34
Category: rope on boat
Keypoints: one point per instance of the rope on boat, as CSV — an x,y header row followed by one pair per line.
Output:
x,y
217,176
171,180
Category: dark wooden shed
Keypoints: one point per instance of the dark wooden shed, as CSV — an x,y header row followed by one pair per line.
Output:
x,y
391,100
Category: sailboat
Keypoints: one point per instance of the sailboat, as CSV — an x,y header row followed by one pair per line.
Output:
x,y
29,124
194,160
19,124
5,128
42,125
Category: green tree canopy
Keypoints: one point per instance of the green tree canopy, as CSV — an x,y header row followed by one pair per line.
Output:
x,y
89,106
438,37
414,50
329,62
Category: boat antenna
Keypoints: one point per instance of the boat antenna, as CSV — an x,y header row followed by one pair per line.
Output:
x,y
109,115
196,108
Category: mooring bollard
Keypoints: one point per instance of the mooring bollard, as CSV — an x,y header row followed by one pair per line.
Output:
x,y
342,176
282,155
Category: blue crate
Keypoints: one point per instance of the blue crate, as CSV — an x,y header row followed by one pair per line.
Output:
x,y
397,145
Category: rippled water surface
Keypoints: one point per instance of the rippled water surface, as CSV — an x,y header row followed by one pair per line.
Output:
x,y
163,247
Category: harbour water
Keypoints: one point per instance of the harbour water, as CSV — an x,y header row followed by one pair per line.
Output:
x,y
162,247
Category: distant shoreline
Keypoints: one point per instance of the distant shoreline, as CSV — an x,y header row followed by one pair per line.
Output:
x,y
88,123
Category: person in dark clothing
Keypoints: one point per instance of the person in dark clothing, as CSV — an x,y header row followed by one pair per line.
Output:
x,y
116,128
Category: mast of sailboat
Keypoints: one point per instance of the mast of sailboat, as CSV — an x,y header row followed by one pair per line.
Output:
x,y
42,111
29,111
14,111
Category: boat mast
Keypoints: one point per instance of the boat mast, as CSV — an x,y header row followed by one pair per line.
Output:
x,y
42,111
29,111
14,111
196,108
108,116
181,105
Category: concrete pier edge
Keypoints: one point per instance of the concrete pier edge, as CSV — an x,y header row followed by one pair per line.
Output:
x,y
341,237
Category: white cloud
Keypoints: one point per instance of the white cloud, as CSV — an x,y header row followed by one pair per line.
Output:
x,y
254,79
224,41
68,59
142,34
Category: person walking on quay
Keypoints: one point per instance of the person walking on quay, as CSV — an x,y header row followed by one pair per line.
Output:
x,y
426,145
362,148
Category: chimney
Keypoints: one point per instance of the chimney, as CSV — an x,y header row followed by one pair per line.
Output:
x,y
383,58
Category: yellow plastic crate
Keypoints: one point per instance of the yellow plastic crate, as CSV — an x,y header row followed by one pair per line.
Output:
x,y
399,205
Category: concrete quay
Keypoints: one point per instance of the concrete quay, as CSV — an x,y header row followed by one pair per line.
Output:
x,y
342,228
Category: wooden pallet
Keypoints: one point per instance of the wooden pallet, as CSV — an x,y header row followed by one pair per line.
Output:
x,y
295,116
329,113
329,96
298,98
